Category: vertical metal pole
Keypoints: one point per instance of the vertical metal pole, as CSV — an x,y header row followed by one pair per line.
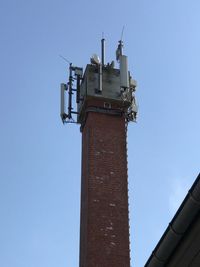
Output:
x,y
78,89
103,51
100,77
101,65
70,92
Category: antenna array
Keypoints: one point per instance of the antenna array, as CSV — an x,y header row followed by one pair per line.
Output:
x,y
100,81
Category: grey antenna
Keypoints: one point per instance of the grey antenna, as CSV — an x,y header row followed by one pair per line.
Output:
x,y
75,73
119,51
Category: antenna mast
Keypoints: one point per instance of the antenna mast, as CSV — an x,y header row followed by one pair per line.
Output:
x,y
102,51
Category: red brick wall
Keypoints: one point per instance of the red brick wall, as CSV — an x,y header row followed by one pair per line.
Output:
x,y
104,239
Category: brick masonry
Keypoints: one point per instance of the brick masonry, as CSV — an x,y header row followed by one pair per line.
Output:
x,y
104,230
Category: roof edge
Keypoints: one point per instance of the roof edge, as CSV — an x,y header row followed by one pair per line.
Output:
x,y
180,223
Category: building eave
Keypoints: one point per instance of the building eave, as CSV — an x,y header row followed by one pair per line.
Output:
x,y
177,228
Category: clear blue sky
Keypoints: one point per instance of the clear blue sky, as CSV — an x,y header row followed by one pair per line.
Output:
x,y
40,158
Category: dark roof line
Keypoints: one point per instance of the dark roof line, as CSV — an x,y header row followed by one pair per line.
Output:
x,y
180,223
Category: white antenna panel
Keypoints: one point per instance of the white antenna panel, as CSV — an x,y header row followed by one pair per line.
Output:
x,y
124,77
62,99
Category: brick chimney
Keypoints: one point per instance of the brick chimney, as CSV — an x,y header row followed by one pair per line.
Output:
x,y
104,230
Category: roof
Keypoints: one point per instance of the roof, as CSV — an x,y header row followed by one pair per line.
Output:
x,y
180,243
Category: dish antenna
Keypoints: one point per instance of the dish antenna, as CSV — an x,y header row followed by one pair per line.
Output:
x,y
95,59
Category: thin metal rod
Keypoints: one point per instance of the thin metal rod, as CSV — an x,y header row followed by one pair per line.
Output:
x,y
65,59
122,33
